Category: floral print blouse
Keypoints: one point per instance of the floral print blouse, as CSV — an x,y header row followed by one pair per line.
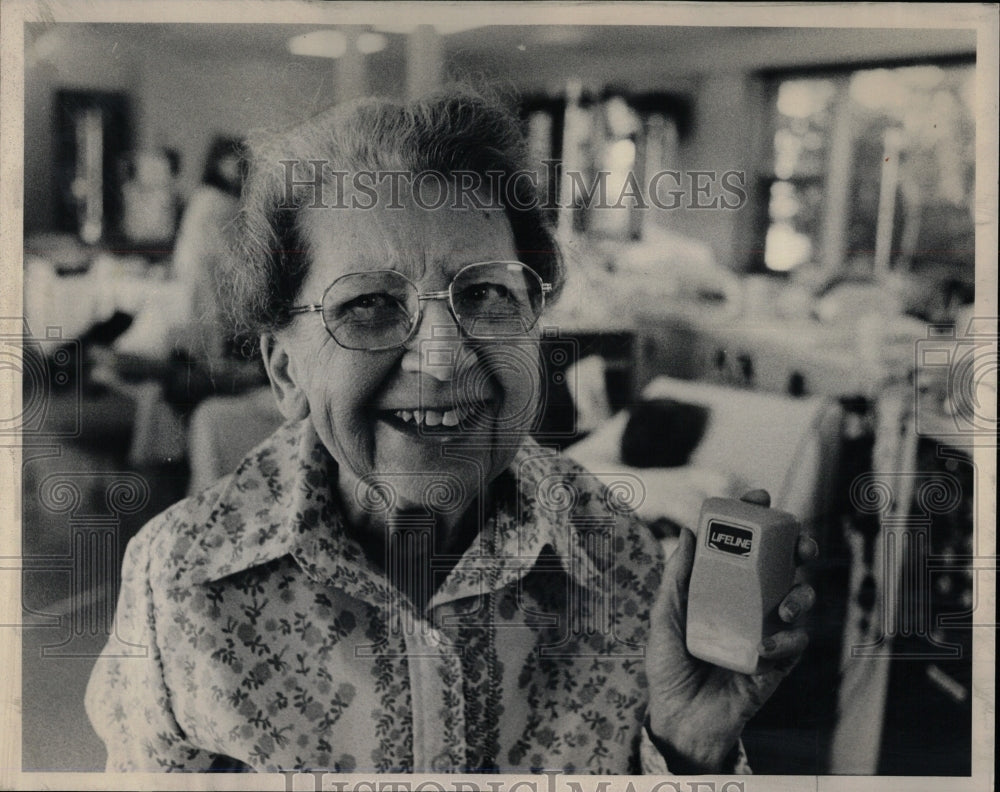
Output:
x,y
250,627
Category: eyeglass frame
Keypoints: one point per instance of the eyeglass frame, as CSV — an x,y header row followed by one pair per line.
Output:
x,y
417,318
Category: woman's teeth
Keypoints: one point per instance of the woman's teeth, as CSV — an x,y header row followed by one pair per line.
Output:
x,y
430,417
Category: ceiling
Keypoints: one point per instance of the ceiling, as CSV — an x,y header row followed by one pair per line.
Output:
x,y
679,48
270,40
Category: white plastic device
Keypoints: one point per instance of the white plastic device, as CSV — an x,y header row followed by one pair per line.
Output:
x,y
744,565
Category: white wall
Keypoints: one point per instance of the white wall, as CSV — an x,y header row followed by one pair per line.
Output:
x,y
730,117
184,103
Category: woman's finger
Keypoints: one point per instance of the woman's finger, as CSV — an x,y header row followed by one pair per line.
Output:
x,y
679,565
761,497
670,608
784,644
807,549
796,602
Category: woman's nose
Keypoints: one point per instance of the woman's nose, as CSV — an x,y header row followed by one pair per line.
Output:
x,y
435,347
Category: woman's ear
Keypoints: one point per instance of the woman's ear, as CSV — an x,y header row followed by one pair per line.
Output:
x,y
280,368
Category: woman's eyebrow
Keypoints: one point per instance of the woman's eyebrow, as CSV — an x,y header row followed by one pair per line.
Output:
x,y
452,265
412,266
415,265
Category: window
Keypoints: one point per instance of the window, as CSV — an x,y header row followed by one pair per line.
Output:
x,y
871,170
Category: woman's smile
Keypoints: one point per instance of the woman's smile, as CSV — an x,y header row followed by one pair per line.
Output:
x,y
441,423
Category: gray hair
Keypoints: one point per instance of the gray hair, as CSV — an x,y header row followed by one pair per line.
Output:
x,y
455,130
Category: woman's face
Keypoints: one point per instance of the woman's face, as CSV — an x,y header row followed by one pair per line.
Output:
x,y
476,399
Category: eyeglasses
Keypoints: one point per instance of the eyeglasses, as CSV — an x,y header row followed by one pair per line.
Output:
x,y
381,309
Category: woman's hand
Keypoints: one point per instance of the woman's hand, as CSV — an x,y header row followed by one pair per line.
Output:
x,y
697,710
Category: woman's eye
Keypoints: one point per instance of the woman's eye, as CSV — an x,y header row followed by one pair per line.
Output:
x,y
369,305
487,292
369,301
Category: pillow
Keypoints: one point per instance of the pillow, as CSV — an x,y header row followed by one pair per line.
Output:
x,y
662,433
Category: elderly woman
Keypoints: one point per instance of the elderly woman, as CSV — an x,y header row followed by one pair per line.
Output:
x,y
400,578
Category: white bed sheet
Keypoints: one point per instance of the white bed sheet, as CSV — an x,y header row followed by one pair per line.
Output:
x,y
751,440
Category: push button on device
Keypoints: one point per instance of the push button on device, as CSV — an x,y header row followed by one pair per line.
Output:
x,y
744,565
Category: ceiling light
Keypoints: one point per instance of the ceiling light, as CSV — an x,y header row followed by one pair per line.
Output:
x,y
369,43
444,28
327,43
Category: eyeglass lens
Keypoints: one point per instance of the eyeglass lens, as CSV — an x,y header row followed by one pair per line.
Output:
x,y
370,310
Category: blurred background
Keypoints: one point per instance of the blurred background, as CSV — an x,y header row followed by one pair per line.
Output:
x,y
778,291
